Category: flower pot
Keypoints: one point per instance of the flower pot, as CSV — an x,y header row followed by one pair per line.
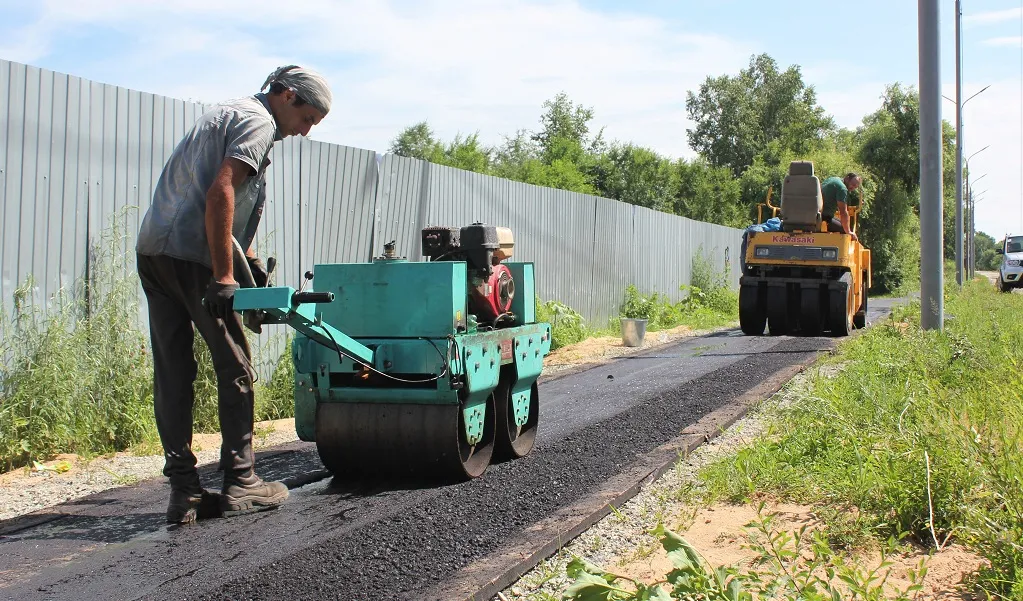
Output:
x,y
633,331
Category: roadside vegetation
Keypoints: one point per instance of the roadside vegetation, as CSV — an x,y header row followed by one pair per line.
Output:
x,y
76,373
911,439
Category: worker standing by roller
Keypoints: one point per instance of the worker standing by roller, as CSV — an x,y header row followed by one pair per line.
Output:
x,y
212,189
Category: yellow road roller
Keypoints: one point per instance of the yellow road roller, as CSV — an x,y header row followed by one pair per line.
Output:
x,y
804,279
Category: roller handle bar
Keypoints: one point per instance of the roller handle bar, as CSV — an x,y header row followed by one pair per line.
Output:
x,y
312,297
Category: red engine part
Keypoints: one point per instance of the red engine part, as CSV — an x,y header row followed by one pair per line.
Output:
x,y
493,297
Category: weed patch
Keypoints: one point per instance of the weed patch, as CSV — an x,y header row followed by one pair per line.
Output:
x,y
76,377
788,565
708,303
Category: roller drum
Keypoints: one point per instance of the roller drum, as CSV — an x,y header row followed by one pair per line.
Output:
x,y
401,439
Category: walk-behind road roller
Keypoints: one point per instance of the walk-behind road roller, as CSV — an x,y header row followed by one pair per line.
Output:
x,y
804,279
428,367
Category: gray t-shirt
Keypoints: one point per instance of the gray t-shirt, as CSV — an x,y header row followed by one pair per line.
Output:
x,y
175,224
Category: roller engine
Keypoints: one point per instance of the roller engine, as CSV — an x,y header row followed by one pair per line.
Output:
x,y
482,248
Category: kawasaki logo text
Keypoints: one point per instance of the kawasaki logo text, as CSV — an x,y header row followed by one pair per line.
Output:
x,y
793,239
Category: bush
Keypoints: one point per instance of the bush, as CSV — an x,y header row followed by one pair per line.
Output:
x,y
712,286
708,301
78,377
567,325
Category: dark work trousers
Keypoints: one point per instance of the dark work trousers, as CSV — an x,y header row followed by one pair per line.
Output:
x,y
834,224
174,289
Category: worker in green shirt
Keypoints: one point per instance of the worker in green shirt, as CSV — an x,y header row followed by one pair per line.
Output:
x,y
836,194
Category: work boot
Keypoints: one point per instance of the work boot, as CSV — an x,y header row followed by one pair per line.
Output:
x,y
192,503
242,494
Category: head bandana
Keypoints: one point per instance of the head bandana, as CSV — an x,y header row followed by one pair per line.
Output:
x,y
308,84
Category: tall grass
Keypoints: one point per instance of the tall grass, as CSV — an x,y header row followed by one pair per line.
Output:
x,y
708,301
77,375
920,431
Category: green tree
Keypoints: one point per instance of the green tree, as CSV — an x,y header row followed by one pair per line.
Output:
x,y
890,147
463,153
737,117
988,258
636,175
710,194
890,151
416,142
510,160
565,131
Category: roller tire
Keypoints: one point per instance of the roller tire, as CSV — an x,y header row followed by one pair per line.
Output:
x,y
752,310
371,439
839,299
810,318
777,310
513,442
860,319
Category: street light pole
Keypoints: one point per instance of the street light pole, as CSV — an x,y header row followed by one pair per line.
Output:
x,y
929,49
959,102
973,228
972,221
959,146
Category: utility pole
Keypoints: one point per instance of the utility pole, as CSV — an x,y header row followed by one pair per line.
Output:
x,y
959,146
970,258
931,286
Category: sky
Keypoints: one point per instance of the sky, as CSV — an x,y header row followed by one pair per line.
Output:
x,y
487,66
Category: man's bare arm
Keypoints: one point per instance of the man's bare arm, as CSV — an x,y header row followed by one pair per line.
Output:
x,y
843,214
220,216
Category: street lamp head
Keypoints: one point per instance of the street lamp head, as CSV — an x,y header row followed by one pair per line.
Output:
x,y
977,94
975,154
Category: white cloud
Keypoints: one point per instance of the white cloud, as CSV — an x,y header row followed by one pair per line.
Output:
x,y
849,104
1005,41
993,16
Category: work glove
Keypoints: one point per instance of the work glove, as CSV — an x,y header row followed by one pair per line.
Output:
x,y
259,274
219,299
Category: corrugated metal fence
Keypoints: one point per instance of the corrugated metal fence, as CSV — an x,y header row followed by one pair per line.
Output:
x,y
77,157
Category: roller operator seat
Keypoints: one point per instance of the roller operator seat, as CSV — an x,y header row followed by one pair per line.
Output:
x,y
801,199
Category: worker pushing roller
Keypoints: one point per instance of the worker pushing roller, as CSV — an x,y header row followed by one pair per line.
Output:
x,y
209,196
422,367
